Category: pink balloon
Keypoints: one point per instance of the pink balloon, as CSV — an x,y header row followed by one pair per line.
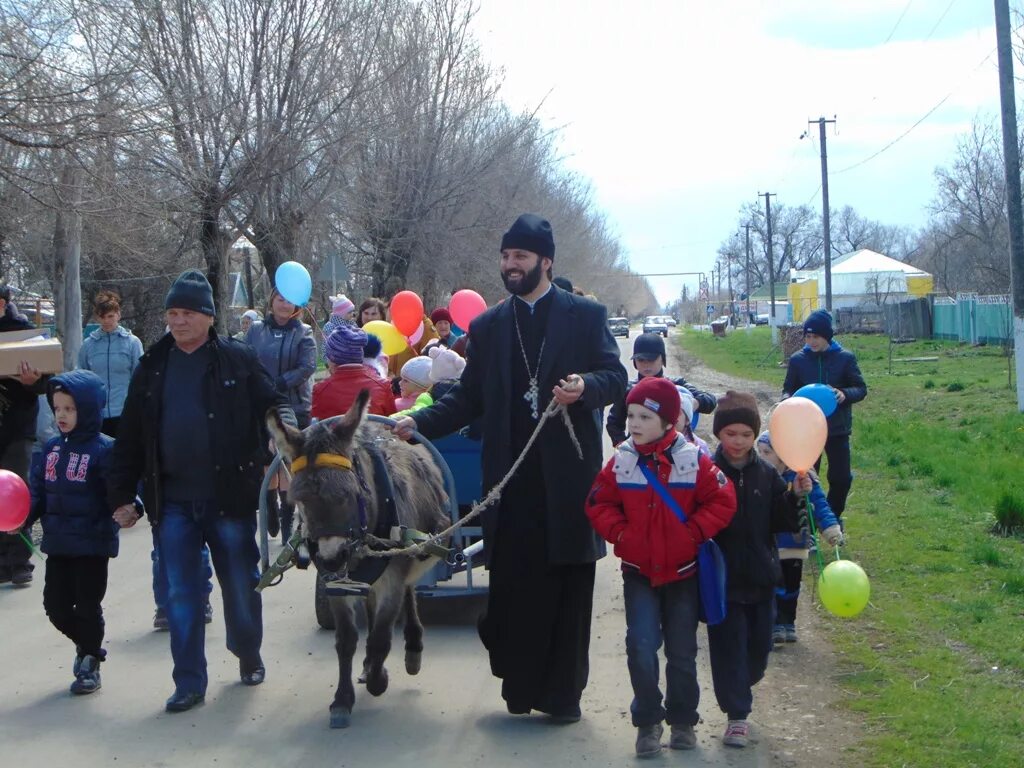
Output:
x,y
416,335
799,430
14,501
465,306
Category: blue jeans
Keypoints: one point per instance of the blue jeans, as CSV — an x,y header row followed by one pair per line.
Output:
x,y
739,648
160,578
182,529
667,612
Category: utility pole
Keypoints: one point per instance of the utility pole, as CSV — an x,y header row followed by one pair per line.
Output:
x,y
1011,160
771,259
825,223
728,277
747,228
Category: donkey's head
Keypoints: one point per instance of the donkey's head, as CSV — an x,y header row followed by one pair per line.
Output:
x,y
332,492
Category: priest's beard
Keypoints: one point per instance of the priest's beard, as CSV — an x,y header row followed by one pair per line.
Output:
x,y
525,284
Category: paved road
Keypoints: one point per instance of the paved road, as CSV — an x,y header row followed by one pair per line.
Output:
x,y
450,715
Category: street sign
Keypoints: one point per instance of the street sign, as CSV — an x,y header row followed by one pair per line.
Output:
x,y
711,309
333,270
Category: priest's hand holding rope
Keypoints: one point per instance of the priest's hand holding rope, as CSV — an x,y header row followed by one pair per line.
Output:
x,y
569,389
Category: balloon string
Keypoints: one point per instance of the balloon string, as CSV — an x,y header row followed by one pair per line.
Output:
x,y
814,532
31,546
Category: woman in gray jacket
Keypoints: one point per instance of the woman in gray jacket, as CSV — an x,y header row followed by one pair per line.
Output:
x,y
111,352
286,348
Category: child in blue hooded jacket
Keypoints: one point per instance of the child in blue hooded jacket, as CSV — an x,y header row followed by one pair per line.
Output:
x,y
68,489
794,547
823,361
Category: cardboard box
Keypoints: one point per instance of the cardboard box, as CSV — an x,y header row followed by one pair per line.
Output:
x,y
44,354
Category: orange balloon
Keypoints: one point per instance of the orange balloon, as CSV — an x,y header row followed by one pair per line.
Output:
x,y
799,430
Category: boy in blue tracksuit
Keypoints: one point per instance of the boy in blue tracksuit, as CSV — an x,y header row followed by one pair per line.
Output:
x,y
69,496
823,361
793,547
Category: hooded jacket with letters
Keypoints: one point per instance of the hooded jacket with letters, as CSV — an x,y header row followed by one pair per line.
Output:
x,y
68,483
648,536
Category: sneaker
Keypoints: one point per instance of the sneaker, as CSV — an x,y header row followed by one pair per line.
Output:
x,y
160,620
790,633
208,612
648,740
87,680
778,634
683,737
21,576
737,734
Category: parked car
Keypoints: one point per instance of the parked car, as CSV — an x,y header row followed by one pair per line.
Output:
x,y
655,324
761,319
619,326
670,321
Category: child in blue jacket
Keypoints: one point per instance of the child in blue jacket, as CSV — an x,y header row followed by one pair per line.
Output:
x,y
68,489
793,547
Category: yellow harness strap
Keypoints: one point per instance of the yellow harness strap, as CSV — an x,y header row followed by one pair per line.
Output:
x,y
321,460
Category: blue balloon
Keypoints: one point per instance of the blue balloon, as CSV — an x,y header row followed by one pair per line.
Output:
x,y
293,283
822,395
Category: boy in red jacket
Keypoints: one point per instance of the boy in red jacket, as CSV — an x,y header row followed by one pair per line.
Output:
x,y
659,554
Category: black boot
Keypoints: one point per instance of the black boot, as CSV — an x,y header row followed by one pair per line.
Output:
x,y
287,517
273,522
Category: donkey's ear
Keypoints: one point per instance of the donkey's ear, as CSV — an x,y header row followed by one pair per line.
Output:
x,y
347,425
289,440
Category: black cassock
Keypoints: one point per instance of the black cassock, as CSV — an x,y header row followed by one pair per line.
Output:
x,y
539,545
537,625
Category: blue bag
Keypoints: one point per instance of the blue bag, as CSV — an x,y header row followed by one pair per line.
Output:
x,y
711,570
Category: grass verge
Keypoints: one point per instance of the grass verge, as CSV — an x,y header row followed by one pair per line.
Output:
x,y
935,664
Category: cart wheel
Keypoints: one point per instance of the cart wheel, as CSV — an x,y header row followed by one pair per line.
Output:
x,y
322,604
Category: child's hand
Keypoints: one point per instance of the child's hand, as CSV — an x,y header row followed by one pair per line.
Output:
x,y
802,485
834,536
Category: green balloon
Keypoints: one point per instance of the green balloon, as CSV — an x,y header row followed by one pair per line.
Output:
x,y
844,588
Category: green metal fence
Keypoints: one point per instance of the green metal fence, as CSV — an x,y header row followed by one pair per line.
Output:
x,y
973,319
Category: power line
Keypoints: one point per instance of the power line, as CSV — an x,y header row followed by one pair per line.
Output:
x,y
936,26
898,21
920,120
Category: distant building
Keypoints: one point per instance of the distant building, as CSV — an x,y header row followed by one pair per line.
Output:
x,y
861,278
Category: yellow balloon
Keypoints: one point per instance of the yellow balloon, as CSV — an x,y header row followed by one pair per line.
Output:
x,y
844,588
391,340
799,430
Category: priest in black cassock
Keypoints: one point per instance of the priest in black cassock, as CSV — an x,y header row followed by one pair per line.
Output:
x,y
542,343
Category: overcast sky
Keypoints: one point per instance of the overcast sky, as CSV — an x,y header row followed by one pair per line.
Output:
x,y
680,111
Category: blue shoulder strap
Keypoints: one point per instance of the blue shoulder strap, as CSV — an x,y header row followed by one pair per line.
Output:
x,y
662,491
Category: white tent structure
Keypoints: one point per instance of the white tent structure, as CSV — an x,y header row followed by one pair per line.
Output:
x,y
866,277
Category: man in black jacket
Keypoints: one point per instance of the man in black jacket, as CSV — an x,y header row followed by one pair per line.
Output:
x,y
541,344
649,360
19,407
193,432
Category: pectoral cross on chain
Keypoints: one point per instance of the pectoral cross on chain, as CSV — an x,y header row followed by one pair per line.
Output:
x,y
532,396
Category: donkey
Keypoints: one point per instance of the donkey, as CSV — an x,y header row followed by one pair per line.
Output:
x,y
342,477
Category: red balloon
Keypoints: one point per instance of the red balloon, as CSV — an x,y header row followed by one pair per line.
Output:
x,y
406,312
14,501
465,306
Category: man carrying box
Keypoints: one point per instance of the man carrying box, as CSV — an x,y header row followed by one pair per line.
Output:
x,y
19,407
